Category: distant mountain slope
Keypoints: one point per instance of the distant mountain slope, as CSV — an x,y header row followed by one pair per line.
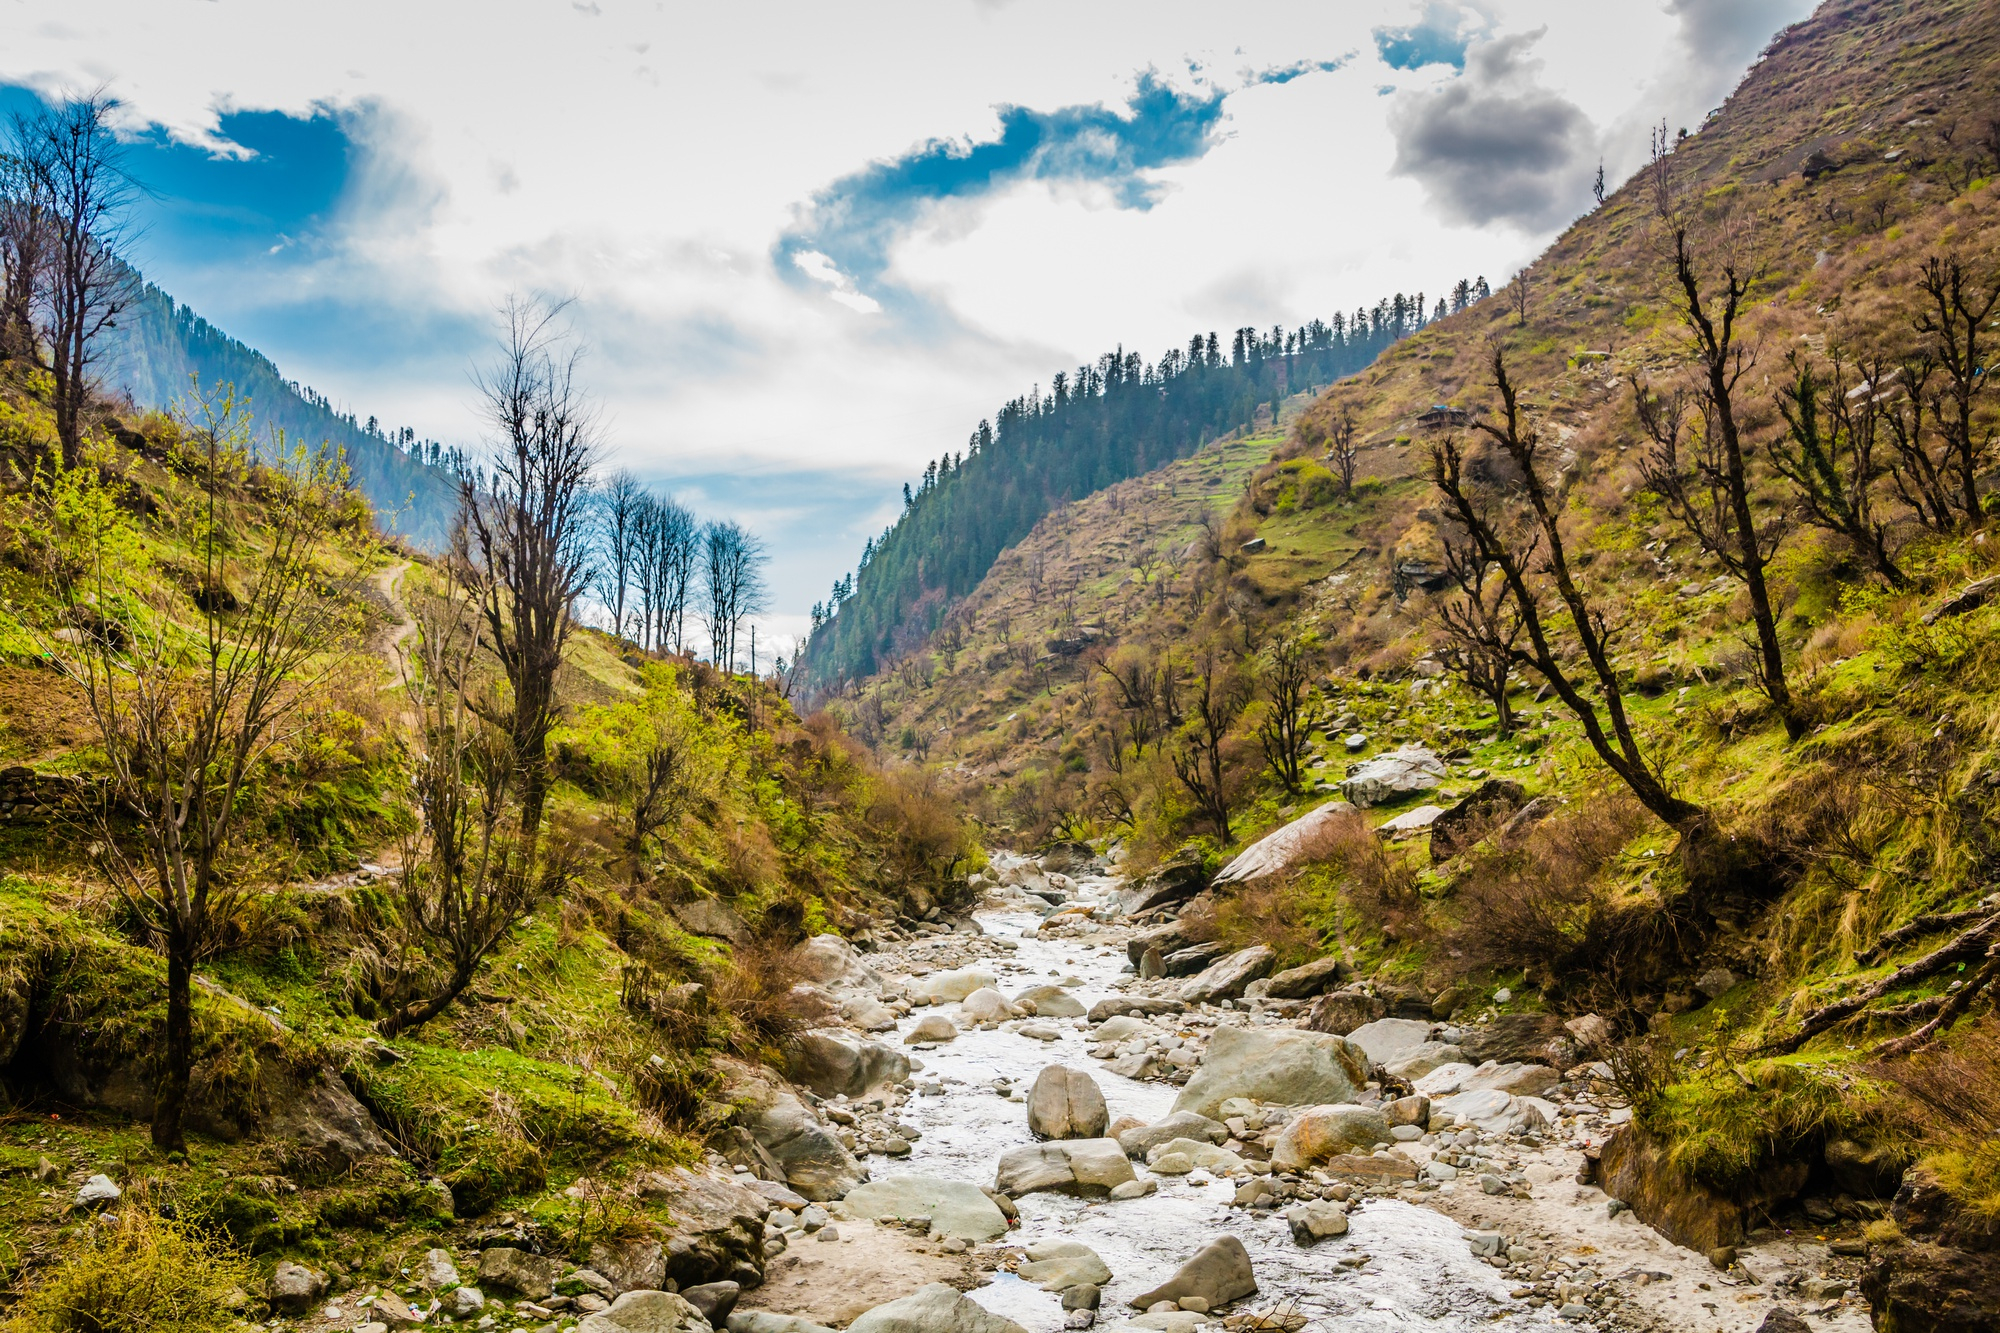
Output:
x,y
159,344
1116,419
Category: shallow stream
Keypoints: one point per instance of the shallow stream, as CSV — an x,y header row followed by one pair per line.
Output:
x,y
1419,1271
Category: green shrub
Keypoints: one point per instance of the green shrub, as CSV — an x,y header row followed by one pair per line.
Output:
x,y
145,1275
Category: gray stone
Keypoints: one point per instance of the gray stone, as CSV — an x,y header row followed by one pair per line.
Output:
x,y
931,1027
1225,978
1140,1005
294,1288
714,1299
533,1275
1410,821
951,987
1179,1125
936,1308
1279,851
1070,1166
1083,1296
1414,1111
1219,1273
98,1193
396,1312
829,960
837,1063
1065,1103
1414,1063
706,916
1308,979
716,1227
639,1264
956,1209
867,1014
1388,1039
436,1270
1050,1002
1715,981
646,1312
1312,1222
465,1302
585,1280
762,1321
1058,1265
1342,1011
782,1196
1401,772
1285,1065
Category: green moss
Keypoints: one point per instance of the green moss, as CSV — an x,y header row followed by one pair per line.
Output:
x,y
1724,1125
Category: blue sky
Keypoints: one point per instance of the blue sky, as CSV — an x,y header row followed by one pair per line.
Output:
x,y
810,247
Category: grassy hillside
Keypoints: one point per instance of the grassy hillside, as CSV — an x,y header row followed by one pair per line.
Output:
x,y
1851,156
585,1047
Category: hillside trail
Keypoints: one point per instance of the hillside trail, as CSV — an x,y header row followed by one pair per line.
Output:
x,y
390,647
1407,1259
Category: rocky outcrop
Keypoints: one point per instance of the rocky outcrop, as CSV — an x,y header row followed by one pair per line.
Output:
x,y
1283,1065
1226,977
1308,979
835,1064
1342,1011
1390,777
1632,1168
955,1209
1066,1103
646,1312
1279,851
717,1232
1328,1131
1944,1274
1179,878
809,1155
828,960
1489,806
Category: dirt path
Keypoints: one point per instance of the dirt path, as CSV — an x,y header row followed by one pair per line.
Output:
x,y
390,649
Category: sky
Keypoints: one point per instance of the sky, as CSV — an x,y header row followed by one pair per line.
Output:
x,y
807,247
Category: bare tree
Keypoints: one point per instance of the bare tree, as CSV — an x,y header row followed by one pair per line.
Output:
x,y
621,503
474,865
1517,299
1341,449
1484,628
189,713
1281,729
522,541
1198,758
733,577
71,155
1527,552
1828,454
1958,306
668,538
1710,493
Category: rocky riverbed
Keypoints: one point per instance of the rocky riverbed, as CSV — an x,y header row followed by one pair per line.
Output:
x,y
1219,1130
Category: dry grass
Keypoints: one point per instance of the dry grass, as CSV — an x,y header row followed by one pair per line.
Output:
x,y
1951,1105
143,1275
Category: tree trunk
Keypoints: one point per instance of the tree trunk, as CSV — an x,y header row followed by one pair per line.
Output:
x,y
170,1093
419,1012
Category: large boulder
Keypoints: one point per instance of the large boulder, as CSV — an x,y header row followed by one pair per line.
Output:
x,y
1484,810
1308,979
717,1232
1218,1274
1049,1002
828,960
1328,1131
1142,1006
510,1269
634,1264
1515,1037
1165,938
812,1158
706,916
1284,1065
1180,1125
956,1209
1090,1167
763,1321
1058,1265
1389,1039
1391,776
1065,1103
865,1013
294,1288
1291,845
1225,978
1944,1274
986,1005
646,1312
931,1027
1633,1169
1342,1011
951,987
936,1308
1417,1061
1181,877
833,1064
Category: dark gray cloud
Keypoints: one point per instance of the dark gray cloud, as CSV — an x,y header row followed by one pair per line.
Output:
x,y
1493,145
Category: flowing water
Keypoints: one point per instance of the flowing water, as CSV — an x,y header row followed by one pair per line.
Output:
x,y
1419,1272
